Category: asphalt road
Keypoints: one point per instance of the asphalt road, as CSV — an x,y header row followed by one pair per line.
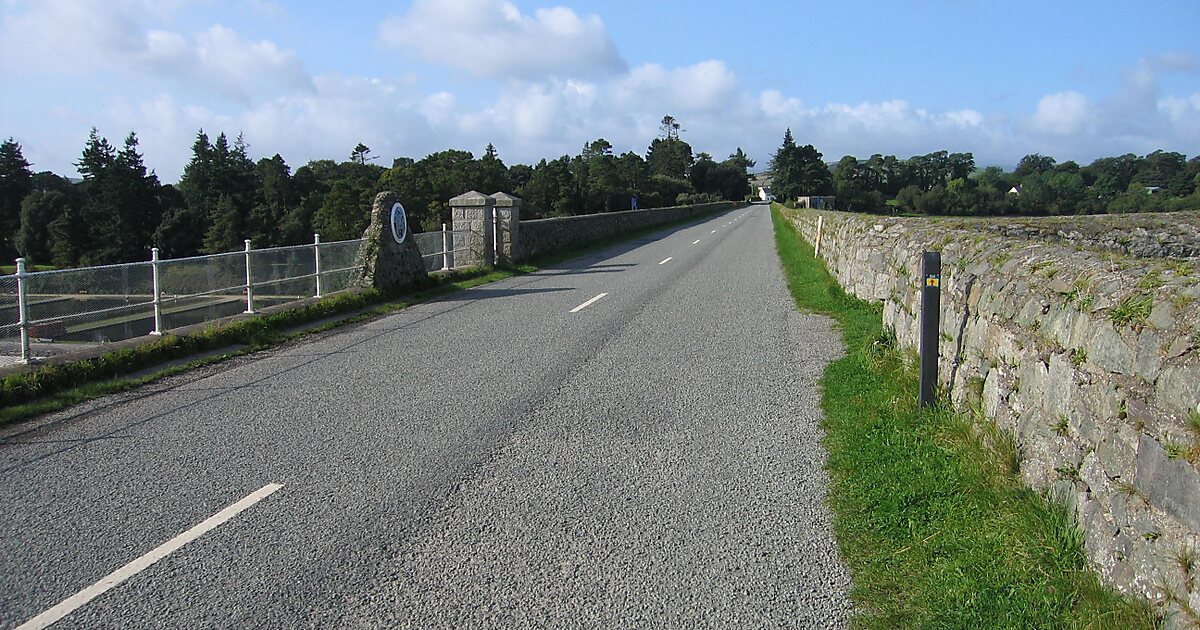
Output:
x,y
519,454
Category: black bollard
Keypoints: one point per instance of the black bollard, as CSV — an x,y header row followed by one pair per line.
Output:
x,y
931,306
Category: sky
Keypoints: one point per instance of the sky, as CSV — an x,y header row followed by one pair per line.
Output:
x,y
1075,80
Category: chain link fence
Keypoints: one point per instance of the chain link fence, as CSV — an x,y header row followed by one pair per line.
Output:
x,y
10,318
338,264
438,248
115,302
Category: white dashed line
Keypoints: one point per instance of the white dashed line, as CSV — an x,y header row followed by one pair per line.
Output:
x,y
588,303
713,232
665,260
115,578
695,241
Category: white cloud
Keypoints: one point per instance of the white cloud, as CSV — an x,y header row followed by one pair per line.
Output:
x,y
492,38
561,84
83,37
1062,114
69,36
242,68
703,86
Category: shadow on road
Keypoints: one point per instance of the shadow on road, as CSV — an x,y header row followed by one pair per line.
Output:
x,y
479,293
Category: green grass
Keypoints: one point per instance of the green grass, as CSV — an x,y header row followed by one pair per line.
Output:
x,y
1133,310
53,387
11,269
929,511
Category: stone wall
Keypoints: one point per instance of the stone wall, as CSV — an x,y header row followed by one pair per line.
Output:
x,y
547,236
1087,357
1155,235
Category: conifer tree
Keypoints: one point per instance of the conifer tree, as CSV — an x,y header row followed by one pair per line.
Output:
x,y
16,181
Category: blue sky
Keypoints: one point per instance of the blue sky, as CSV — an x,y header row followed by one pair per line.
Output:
x,y
309,80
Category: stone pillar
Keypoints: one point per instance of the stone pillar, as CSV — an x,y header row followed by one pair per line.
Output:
x,y
508,218
386,264
472,212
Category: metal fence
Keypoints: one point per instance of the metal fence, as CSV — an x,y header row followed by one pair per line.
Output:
x,y
438,248
115,302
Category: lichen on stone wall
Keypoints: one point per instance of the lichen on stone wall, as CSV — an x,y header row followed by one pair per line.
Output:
x,y
1087,356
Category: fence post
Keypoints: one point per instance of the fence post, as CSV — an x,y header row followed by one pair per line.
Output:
x,y
158,323
23,311
507,228
445,249
249,281
820,224
931,307
317,260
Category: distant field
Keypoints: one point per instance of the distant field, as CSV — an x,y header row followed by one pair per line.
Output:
x,y
11,269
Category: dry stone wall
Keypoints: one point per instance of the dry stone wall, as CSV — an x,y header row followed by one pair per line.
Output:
x,y
1154,235
1089,358
547,236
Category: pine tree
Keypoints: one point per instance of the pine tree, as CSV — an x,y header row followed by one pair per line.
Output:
x,y
16,182
138,212
493,174
226,229
799,171
121,210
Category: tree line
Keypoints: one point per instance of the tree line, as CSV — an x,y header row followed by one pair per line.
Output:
x,y
120,209
944,183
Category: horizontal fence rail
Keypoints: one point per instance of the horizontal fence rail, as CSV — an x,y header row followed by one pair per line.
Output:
x,y
115,302
438,248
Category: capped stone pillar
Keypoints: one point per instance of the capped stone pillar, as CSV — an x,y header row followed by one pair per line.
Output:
x,y
508,225
472,211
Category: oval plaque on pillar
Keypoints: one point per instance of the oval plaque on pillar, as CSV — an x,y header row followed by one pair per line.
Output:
x,y
399,223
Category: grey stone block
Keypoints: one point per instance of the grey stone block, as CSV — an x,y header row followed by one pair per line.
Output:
x,y
1178,388
1147,360
1172,485
1108,350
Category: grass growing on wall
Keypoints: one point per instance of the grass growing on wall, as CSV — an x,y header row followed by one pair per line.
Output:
x,y
930,514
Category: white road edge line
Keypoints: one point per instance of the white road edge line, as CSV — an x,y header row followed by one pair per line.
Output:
x,y
78,600
588,303
695,241
665,260
713,232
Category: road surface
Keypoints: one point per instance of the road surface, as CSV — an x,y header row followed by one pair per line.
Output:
x,y
625,440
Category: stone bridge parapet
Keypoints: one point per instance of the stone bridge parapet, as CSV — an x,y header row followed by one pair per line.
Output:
x,y
1089,358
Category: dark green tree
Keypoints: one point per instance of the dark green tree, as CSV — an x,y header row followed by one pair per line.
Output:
x,y
361,154
550,189
38,210
121,208
492,174
344,213
226,228
799,170
276,198
68,238
16,181
670,157
1034,163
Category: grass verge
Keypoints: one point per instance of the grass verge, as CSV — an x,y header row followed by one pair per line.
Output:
x,y
54,387
929,511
